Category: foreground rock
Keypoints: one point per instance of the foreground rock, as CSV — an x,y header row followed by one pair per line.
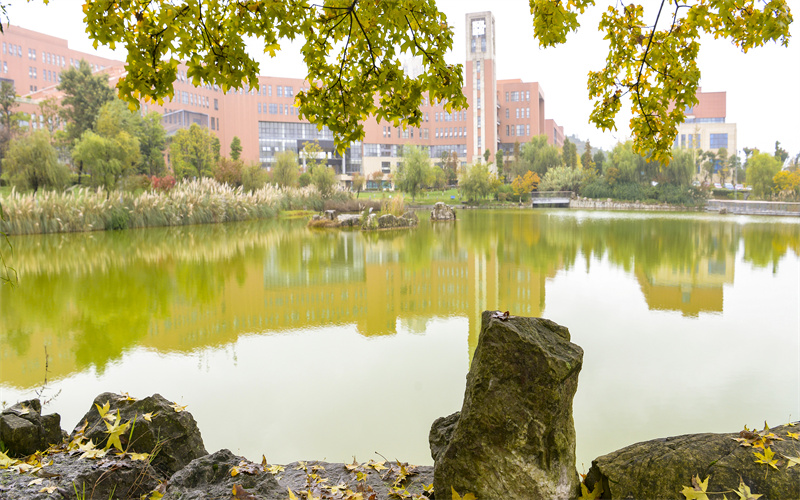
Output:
x,y
515,437
160,428
24,430
661,468
442,212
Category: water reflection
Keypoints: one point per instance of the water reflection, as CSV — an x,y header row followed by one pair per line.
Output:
x,y
92,297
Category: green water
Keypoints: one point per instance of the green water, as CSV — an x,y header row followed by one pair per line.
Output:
x,y
301,344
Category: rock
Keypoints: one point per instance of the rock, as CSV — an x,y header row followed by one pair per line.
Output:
x,y
172,436
24,430
389,221
441,433
662,467
348,220
442,212
515,438
209,477
73,477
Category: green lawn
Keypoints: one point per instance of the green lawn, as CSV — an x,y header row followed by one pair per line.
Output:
x,y
5,191
449,196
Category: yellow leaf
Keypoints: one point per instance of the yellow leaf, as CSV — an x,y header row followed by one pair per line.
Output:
x,y
353,466
127,397
595,493
744,492
794,435
148,416
36,481
292,496
5,460
48,489
234,471
767,458
698,489
178,408
103,410
378,466
114,432
139,456
791,461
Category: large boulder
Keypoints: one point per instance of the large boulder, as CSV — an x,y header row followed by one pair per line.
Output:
x,y
210,477
160,428
389,221
661,468
24,430
442,212
515,437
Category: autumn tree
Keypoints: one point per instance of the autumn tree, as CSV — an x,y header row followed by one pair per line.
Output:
x,y
787,184
31,162
229,171
352,51
524,185
107,159
358,183
653,62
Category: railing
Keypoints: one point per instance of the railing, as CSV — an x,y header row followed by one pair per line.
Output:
x,y
553,198
754,207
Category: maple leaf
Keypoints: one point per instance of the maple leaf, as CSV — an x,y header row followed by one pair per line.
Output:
x,y
794,435
148,416
791,461
48,489
6,461
378,466
36,481
139,456
353,466
275,469
595,493
292,496
698,489
126,396
361,476
766,458
744,492
103,410
240,492
178,408
234,471
456,496
94,453
114,432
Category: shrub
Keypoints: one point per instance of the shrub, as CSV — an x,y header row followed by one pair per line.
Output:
x,y
163,184
396,205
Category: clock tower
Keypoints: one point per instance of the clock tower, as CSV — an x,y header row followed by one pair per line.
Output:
x,y
481,86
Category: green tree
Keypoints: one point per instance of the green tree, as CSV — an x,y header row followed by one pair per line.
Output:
x,y
722,163
352,51
735,167
254,177
115,116
236,148
285,171
312,155
486,155
599,160
569,154
414,172
358,183
50,110
655,64
562,178
107,159
193,152
780,154
84,95
761,170
498,159
9,119
587,161
538,156
323,178
31,162
475,183
680,170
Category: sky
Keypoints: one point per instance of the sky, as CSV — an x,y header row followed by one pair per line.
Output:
x,y
763,86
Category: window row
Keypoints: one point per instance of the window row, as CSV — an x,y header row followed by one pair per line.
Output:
x,y
276,109
288,130
516,96
521,112
12,49
519,130
448,132
444,116
396,150
54,59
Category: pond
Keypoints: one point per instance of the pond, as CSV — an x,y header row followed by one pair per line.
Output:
x,y
301,344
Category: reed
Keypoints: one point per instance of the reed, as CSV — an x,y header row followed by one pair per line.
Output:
x,y
200,201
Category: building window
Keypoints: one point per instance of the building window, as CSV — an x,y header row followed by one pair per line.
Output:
x,y
259,108
514,96
425,133
527,112
478,66
288,92
520,130
279,90
527,95
216,104
506,96
719,141
527,130
479,83
386,167
479,103
517,112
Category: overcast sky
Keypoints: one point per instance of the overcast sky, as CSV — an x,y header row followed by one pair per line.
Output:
x,y
763,86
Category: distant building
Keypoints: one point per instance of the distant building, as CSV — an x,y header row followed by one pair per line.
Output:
x,y
265,118
705,126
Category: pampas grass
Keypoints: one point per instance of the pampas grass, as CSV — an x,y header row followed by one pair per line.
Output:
x,y
200,201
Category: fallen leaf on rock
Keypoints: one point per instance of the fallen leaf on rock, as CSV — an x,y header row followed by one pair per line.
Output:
x,y
767,458
178,408
594,494
240,492
36,481
744,492
48,489
698,489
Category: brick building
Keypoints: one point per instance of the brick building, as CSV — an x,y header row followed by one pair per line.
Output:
x,y
499,114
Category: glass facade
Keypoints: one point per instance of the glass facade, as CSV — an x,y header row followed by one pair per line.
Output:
x,y
719,141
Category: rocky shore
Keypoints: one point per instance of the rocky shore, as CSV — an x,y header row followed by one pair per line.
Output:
x,y
514,438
